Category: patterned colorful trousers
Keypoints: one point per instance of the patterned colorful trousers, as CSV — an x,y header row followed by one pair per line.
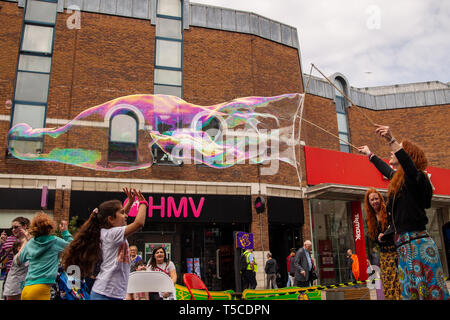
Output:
x,y
420,270
389,275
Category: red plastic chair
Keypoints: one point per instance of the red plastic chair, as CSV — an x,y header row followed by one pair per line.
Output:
x,y
192,281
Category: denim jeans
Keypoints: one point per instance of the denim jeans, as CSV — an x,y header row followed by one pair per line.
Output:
x,y
97,296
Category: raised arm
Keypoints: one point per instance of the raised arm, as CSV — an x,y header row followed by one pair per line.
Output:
x,y
131,197
403,158
381,166
139,222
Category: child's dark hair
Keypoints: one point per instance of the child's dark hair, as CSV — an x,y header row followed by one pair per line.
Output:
x,y
84,250
24,222
138,264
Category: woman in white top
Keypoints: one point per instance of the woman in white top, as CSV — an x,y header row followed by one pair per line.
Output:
x,y
16,277
159,262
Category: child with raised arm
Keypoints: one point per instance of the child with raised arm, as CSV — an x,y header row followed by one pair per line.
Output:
x,y
104,236
42,253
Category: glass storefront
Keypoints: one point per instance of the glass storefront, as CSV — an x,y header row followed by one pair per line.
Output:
x,y
206,249
333,235
200,238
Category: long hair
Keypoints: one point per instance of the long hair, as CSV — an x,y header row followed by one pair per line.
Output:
x,y
24,222
417,156
371,215
41,225
152,262
85,250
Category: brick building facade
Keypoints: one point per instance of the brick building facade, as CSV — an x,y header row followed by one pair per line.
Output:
x,y
226,54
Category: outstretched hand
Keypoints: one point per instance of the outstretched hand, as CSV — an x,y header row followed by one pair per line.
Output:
x,y
63,225
384,132
139,195
364,150
3,237
130,194
23,233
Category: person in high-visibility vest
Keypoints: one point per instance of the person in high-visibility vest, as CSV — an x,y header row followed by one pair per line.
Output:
x,y
249,275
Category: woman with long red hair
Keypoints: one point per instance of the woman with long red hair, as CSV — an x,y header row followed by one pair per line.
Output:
x,y
409,194
377,224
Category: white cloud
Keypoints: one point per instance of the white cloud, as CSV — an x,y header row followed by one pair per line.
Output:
x,y
411,44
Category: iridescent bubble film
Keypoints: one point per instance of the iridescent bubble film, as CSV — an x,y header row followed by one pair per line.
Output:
x,y
142,130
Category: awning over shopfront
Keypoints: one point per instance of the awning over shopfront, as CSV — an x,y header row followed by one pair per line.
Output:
x,y
212,209
356,193
339,175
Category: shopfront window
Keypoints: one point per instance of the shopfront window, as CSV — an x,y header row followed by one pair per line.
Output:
x,y
332,237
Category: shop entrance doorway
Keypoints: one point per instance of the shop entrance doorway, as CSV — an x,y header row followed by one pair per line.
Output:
x,y
207,250
282,238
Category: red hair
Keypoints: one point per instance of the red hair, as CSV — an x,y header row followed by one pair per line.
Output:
x,y
417,156
41,225
371,215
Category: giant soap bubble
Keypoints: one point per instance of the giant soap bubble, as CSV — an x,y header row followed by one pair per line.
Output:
x,y
254,130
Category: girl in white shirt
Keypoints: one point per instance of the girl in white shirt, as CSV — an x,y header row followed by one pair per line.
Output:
x,y
108,224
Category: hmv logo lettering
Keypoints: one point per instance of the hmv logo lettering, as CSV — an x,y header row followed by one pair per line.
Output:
x,y
168,208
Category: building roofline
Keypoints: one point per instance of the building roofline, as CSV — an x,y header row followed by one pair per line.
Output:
x,y
398,96
213,17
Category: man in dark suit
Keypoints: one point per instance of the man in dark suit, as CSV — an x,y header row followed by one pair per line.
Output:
x,y
303,265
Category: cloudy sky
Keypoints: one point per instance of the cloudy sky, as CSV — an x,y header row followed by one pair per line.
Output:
x,y
372,42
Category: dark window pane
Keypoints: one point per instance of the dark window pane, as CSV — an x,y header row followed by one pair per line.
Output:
x,y
122,152
340,104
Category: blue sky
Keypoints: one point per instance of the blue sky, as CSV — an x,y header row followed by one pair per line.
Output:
x,y
372,42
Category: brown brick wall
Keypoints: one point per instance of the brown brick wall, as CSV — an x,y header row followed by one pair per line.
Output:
x,y
306,230
219,66
260,225
10,31
426,126
62,205
113,56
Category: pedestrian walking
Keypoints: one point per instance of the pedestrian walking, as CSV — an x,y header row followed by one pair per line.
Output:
x,y
303,265
271,272
290,267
